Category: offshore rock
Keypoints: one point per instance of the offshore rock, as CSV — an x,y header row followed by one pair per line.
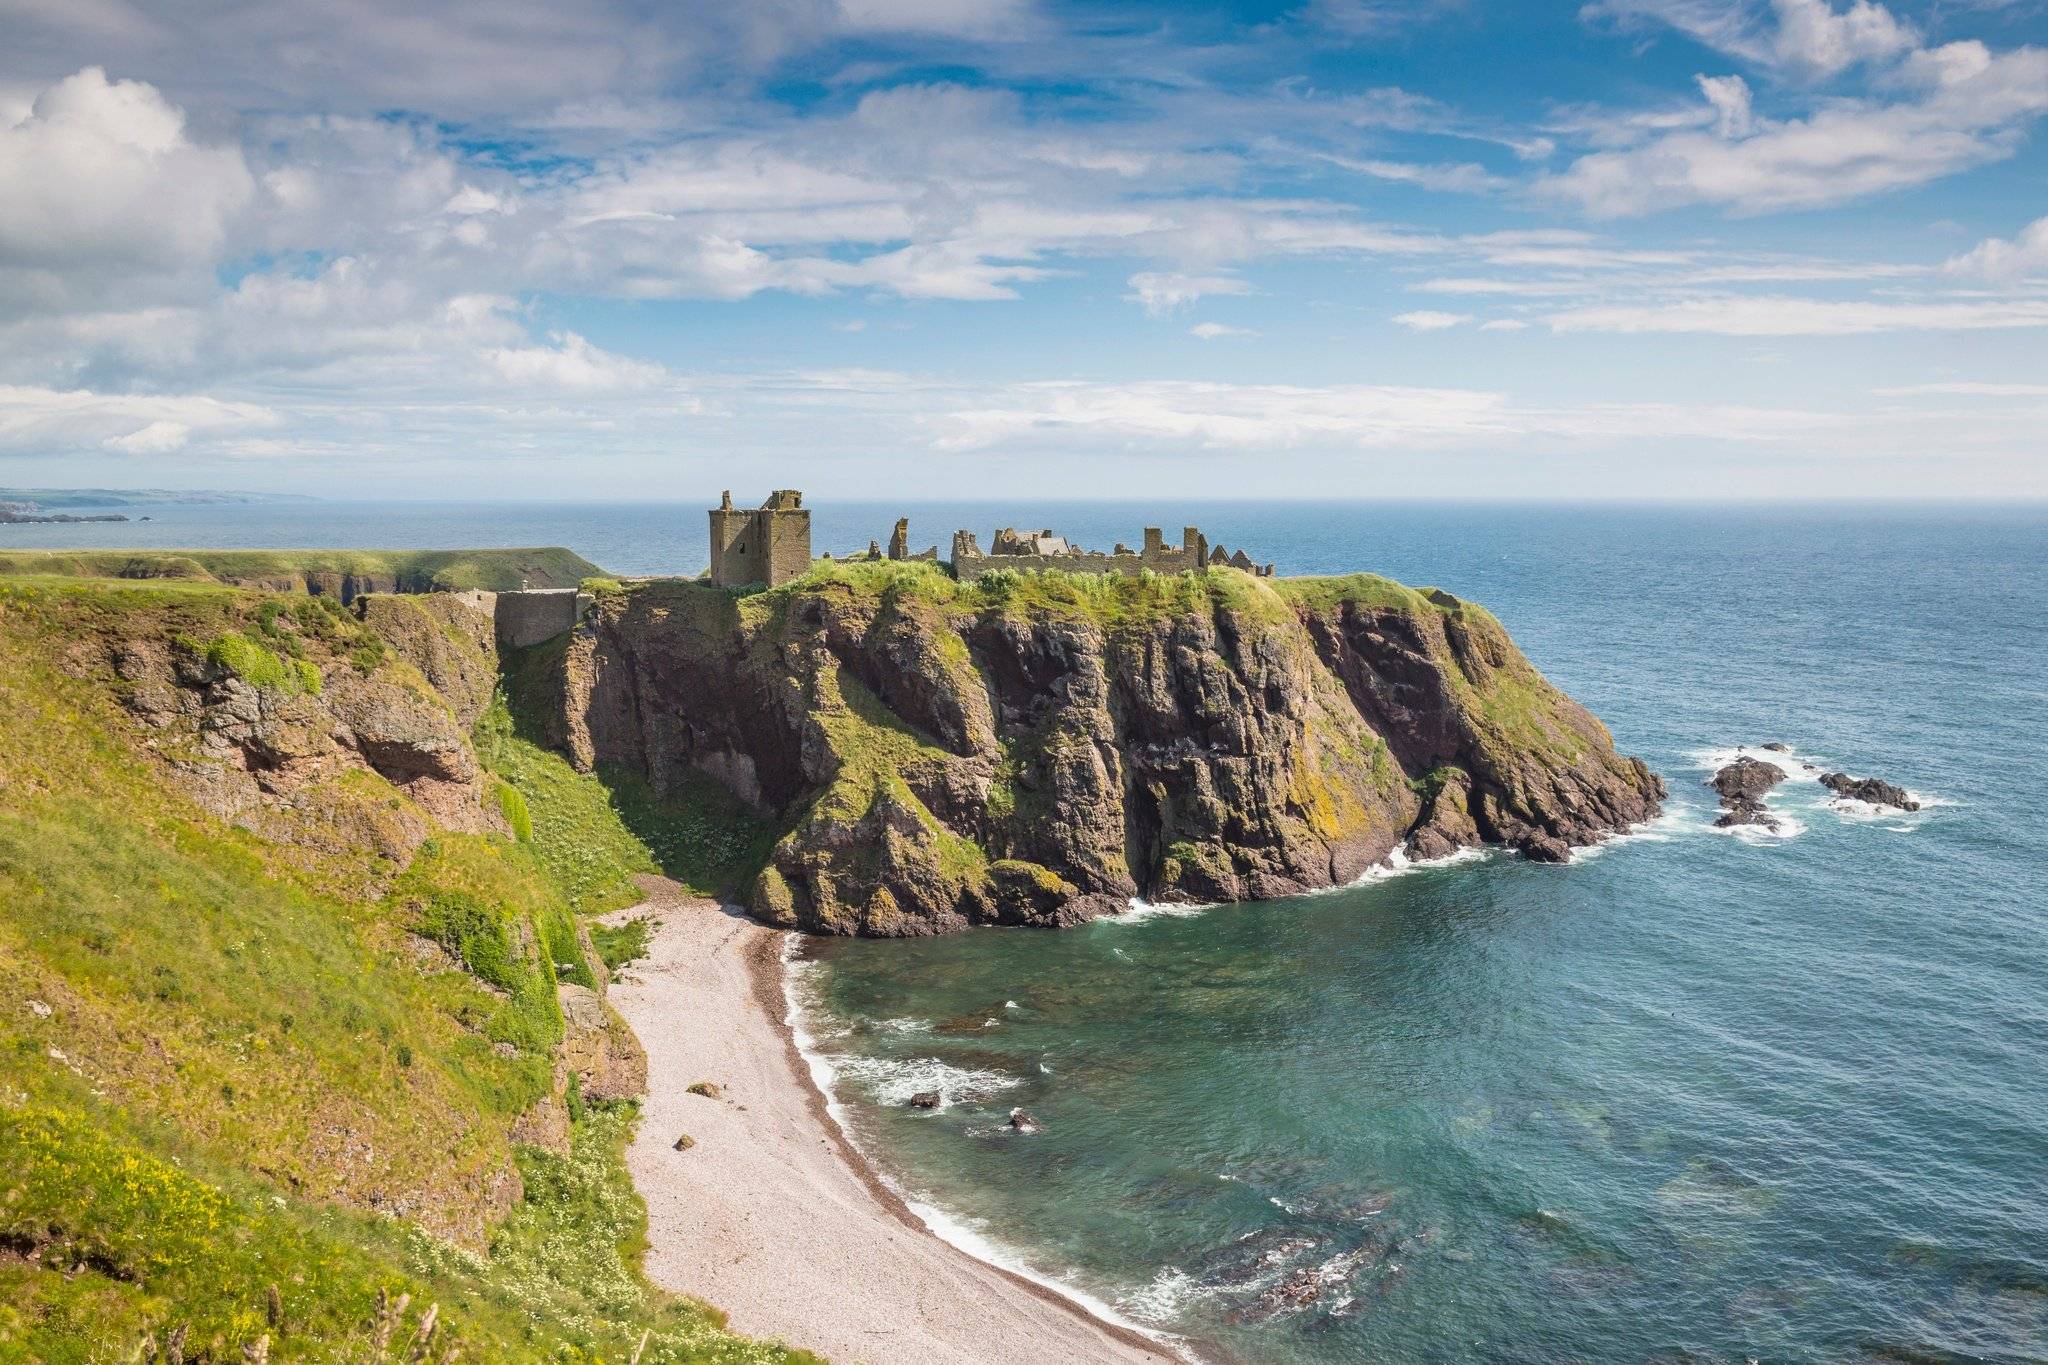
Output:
x,y
1039,750
1742,786
1874,790
1747,778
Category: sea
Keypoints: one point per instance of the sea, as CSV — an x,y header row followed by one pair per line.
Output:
x,y
1695,1096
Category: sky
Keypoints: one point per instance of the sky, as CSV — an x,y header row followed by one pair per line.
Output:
x,y
951,248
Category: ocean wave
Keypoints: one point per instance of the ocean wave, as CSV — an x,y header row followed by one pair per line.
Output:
x,y
904,1025
798,992
1141,911
892,1081
1399,864
1163,1299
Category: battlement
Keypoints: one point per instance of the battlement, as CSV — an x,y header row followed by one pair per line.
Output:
x,y
769,544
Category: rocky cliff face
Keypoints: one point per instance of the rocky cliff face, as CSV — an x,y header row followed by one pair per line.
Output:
x,y
1039,750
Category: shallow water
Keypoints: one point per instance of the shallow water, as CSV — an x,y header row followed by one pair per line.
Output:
x,y
1698,1095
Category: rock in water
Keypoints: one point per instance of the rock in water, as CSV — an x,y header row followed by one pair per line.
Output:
x,y
1778,747
1743,811
1746,777
925,1099
944,754
1874,790
1742,785
1023,1122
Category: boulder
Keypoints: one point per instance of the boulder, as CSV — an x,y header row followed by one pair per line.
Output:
x,y
1023,1122
925,1099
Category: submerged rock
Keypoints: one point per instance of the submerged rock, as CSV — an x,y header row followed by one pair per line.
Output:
x,y
1874,790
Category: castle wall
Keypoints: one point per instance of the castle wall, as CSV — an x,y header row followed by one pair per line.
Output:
x,y
769,544
1157,557
786,542
532,615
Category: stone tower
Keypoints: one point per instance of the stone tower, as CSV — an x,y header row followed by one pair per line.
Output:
x,y
769,544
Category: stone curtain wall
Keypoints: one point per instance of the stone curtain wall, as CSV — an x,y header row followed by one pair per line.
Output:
x,y
537,614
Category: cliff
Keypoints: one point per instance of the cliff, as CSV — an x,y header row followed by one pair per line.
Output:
x,y
1038,749
344,574
300,1033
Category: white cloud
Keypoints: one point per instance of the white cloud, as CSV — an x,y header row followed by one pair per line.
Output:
x,y
1813,36
1460,178
158,438
1964,389
966,18
1429,320
1160,293
1803,37
1729,96
1504,325
1216,331
1960,112
1750,315
2000,258
42,421
100,185
573,363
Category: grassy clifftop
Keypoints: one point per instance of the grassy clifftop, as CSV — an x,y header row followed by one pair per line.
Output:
x,y
290,1077
293,570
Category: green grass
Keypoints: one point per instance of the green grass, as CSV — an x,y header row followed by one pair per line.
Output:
x,y
224,1068
413,570
1326,593
260,667
618,944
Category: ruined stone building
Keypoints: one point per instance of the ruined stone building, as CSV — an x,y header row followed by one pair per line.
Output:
x,y
769,544
1031,550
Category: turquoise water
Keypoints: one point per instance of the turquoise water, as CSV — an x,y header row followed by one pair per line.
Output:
x,y
1694,1097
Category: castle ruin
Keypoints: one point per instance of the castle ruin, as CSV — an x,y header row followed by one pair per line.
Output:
x,y
1018,550
769,544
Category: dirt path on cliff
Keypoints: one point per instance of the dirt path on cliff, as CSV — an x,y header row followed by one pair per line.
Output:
x,y
770,1215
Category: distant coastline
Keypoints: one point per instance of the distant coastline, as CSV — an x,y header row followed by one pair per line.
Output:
x,y
45,499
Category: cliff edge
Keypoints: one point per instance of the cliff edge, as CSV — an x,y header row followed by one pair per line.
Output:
x,y
1040,748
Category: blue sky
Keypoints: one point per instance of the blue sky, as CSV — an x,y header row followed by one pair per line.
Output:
x,y
1449,248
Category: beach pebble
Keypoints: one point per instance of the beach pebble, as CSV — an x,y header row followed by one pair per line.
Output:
x,y
685,1143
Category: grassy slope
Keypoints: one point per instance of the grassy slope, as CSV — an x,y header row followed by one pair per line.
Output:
x,y
213,1060
495,570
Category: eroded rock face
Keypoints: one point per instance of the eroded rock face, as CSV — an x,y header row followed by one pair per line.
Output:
x,y
940,763
267,756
